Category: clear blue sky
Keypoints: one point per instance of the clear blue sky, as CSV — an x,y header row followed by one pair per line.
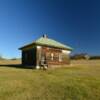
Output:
x,y
72,22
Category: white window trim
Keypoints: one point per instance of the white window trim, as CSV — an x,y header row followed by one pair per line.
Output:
x,y
52,56
66,51
38,47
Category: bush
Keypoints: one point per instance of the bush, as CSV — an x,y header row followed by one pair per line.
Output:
x,y
80,56
94,57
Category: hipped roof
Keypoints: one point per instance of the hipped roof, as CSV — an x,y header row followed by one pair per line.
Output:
x,y
43,41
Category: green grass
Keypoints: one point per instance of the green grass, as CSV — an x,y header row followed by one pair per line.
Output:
x,y
72,83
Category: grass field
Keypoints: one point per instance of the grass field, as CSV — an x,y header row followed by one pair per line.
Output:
x,y
80,81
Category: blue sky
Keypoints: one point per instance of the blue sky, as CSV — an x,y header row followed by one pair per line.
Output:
x,y
72,22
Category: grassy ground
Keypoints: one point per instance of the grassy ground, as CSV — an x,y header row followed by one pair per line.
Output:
x,y
76,82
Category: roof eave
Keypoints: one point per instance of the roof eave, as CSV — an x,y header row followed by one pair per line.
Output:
x,y
27,46
35,43
54,46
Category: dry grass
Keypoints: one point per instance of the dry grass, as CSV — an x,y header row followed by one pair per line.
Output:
x,y
86,62
9,62
80,81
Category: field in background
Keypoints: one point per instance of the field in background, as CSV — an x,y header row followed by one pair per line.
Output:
x,y
85,62
10,62
79,81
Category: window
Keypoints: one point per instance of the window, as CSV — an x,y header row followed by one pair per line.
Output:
x,y
56,56
48,56
60,57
